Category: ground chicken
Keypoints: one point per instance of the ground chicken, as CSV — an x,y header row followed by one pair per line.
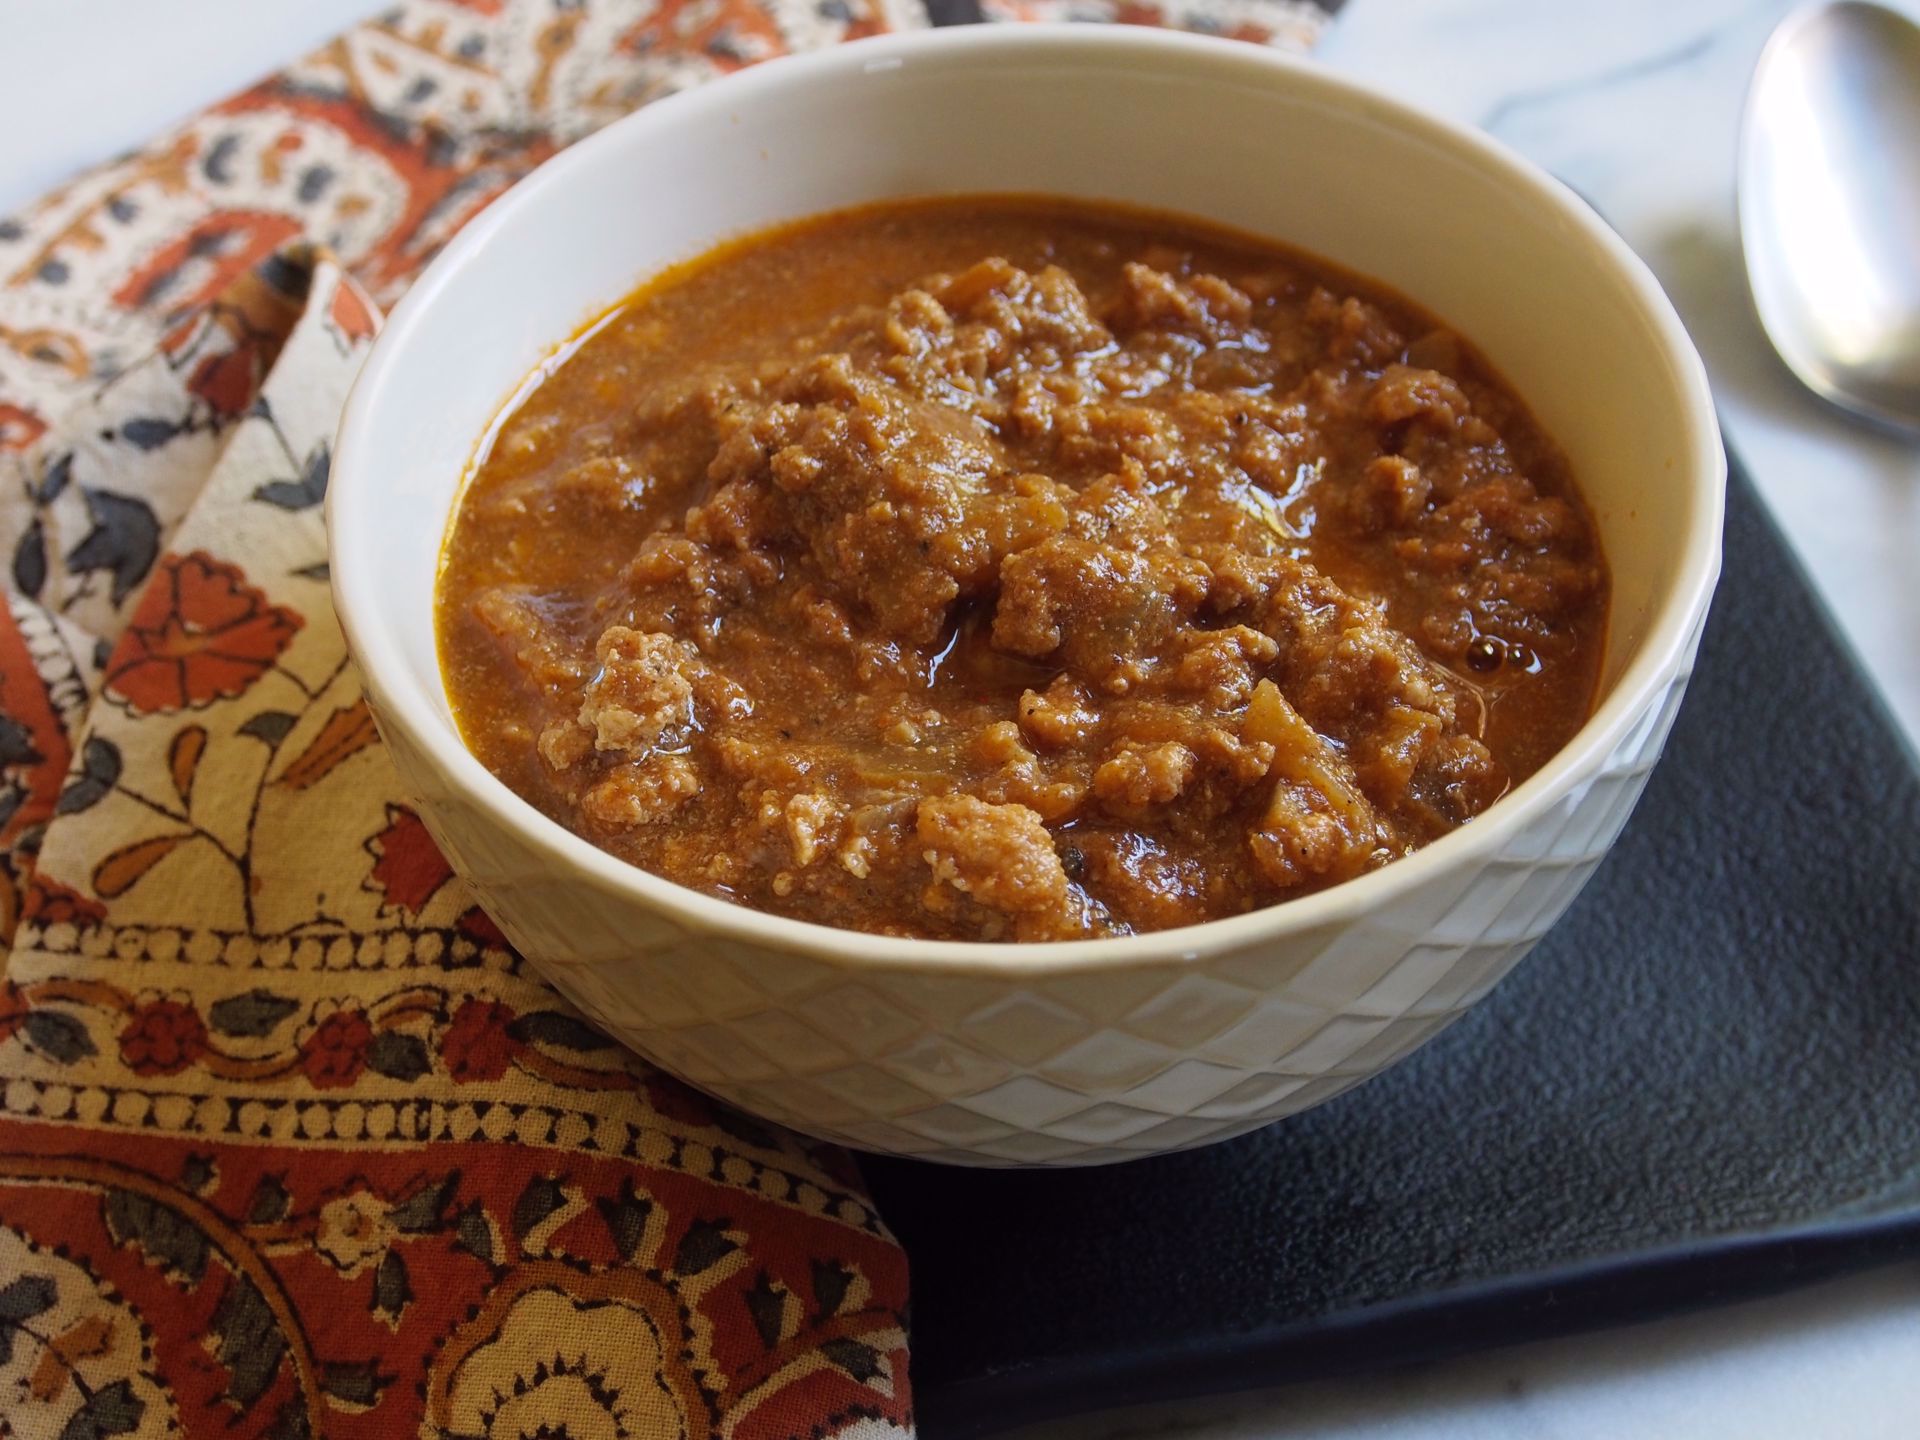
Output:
x,y
1011,570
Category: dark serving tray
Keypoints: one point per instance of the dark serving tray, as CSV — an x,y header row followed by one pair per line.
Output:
x,y
1704,1084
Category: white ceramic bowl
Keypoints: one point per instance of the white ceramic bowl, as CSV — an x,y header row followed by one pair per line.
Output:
x,y
1085,1051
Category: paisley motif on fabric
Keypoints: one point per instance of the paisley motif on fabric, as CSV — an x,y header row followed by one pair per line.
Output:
x,y
292,1143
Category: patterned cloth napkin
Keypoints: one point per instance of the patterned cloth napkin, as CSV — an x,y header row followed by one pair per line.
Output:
x,y
291,1143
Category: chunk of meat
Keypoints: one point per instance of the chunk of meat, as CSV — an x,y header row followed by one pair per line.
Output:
x,y
641,695
642,794
1104,598
1063,716
1353,677
999,856
1004,320
1357,333
1392,493
681,581
814,825
1022,777
1136,778
1318,826
1152,886
859,476
1203,305
1405,393
1221,666
1102,609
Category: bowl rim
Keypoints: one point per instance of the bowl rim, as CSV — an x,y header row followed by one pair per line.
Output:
x,y
1673,625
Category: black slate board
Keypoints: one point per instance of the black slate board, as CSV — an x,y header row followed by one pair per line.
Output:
x,y
1704,1084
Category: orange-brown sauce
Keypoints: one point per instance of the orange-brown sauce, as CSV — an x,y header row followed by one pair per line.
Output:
x,y
1011,568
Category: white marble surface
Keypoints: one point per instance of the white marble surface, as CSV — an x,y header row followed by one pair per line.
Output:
x,y
1636,103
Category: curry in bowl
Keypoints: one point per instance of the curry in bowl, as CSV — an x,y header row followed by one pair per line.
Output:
x,y
998,568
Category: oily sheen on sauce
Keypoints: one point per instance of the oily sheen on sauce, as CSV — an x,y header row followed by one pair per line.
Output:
x,y
1005,568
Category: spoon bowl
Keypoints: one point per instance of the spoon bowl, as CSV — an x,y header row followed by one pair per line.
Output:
x,y
1829,196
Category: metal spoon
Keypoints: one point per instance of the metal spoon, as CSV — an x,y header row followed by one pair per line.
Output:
x,y
1829,185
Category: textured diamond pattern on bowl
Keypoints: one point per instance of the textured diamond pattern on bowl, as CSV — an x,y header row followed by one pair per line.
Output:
x,y
1032,1069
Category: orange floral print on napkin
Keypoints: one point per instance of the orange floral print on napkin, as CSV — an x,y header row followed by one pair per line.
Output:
x,y
291,1143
